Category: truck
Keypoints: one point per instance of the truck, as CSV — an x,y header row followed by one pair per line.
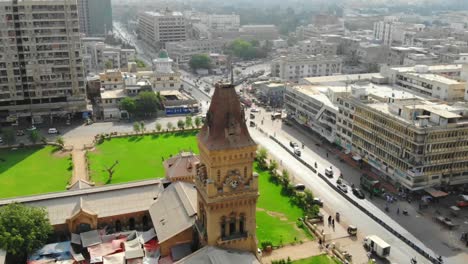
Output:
x,y
377,246
370,185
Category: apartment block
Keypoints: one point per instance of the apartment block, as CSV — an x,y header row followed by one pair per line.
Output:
x,y
183,51
295,67
158,28
95,17
411,141
41,67
317,46
99,56
259,32
222,22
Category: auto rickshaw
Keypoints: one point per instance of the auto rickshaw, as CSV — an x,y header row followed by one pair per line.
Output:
x,y
352,230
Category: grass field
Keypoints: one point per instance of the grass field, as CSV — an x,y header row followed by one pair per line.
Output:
x,y
276,216
321,259
139,157
28,171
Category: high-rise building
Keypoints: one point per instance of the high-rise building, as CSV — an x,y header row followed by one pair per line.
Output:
x,y
95,17
157,28
227,187
41,67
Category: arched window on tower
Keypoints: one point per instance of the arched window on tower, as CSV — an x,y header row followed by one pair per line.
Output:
x,y
245,172
242,224
232,225
223,227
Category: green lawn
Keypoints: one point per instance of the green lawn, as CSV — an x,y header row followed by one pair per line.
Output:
x,y
320,259
139,157
276,216
28,171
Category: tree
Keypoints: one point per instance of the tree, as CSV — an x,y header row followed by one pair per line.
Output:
x,y
147,104
140,63
110,171
273,166
109,65
200,61
262,156
9,136
23,230
128,104
34,136
136,127
181,124
142,126
60,142
169,126
198,121
188,122
158,127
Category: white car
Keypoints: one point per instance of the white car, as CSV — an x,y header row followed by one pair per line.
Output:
x,y
52,131
342,187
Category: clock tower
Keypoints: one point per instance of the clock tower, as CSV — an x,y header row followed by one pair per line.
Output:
x,y
227,188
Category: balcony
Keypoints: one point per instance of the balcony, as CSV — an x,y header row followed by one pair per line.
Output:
x,y
414,173
232,238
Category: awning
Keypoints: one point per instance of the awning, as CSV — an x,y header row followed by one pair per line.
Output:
x,y
436,193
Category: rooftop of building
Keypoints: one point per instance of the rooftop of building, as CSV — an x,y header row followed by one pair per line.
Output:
x,y
215,255
433,78
108,200
341,79
165,13
432,68
113,94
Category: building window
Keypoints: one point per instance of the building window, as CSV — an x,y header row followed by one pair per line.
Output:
x,y
223,226
232,225
242,224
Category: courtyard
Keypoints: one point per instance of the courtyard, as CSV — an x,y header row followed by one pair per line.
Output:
x,y
34,170
137,157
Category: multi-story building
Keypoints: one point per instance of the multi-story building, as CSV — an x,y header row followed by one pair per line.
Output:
x,y
293,68
390,30
411,141
315,46
165,77
223,22
259,32
183,51
41,66
451,71
158,28
95,17
433,85
98,56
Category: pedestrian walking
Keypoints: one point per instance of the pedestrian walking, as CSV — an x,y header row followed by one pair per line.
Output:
x,y
327,154
398,211
333,224
329,220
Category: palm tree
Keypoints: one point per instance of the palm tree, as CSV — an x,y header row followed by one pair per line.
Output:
x,y
60,142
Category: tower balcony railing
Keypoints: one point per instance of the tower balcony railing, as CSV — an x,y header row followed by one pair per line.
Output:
x,y
232,238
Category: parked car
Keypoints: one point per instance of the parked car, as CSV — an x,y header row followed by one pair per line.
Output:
x,y
52,130
19,132
299,187
342,187
293,144
318,201
358,193
297,151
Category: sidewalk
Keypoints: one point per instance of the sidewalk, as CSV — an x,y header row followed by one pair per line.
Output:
x,y
80,168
